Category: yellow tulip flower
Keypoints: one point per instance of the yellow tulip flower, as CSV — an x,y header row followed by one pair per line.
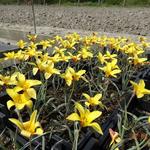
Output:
x,y
33,45
55,58
145,44
142,38
101,58
84,52
115,138
45,57
58,38
86,41
74,36
137,60
133,49
50,70
71,75
64,58
58,50
85,117
76,75
6,80
21,55
23,84
18,100
21,44
45,66
75,58
67,44
45,44
51,41
29,128
9,55
32,52
68,77
108,55
40,65
111,69
93,101
32,37
139,88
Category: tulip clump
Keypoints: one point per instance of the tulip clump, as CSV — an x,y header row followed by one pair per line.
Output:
x,y
89,74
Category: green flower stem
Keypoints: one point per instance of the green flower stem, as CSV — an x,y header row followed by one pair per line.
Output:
x,y
30,143
69,99
19,115
130,100
76,136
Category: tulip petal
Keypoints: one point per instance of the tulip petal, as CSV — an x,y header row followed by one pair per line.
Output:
x,y
56,71
21,77
93,115
33,119
115,71
1,83
20,106
34,82
87,104
29,104
139,95
47,75
71,70
133,83
31,92
35,70
39,131
10,104
86,96
73,117
37,124
81,72
98,97
96,127
26,133
26,124
142,83
12,93
17,89
80,108
146,91
17,123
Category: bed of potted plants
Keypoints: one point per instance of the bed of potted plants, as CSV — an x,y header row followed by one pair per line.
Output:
x,y
67,92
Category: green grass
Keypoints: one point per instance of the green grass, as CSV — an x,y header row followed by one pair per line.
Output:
x,y
8,1
88,2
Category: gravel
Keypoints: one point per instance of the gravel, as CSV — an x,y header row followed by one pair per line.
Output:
x,y
106,19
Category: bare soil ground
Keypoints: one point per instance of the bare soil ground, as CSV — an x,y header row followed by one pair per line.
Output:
x,y
113,20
